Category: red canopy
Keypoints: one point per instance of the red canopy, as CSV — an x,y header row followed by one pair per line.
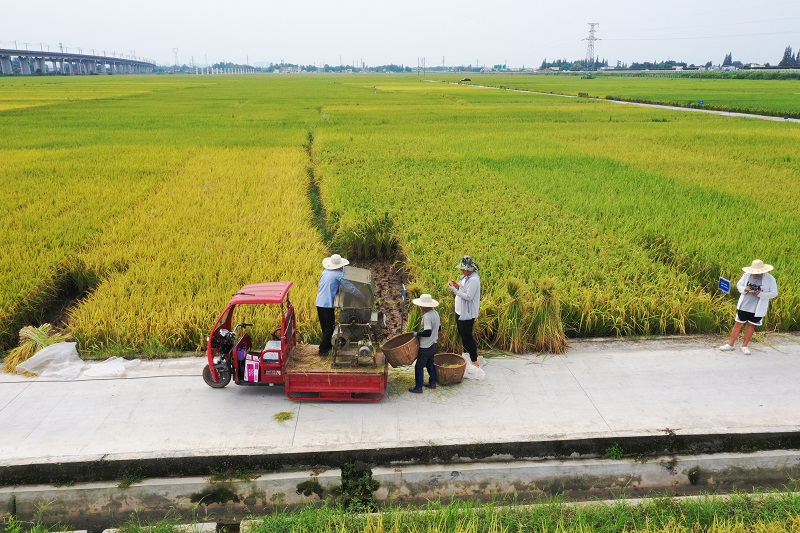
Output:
x,y
262,293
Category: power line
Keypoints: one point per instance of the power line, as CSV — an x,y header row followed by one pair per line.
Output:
x,y
706,37
700,26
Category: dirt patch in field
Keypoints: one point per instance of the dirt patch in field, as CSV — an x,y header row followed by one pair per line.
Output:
x,y
388,277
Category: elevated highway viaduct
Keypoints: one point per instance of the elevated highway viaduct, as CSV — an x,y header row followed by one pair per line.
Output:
x,y
29,62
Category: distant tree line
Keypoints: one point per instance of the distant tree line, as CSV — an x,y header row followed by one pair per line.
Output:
x,y
578,64
790,60
658,64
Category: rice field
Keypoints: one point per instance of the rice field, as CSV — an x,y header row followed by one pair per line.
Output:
x,y
635,212
773,97
160,196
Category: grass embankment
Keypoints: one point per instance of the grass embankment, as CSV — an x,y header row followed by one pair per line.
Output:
x,y
740,513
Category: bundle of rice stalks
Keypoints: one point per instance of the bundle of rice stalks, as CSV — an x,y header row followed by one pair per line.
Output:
x,y
514,325
547,326
31,340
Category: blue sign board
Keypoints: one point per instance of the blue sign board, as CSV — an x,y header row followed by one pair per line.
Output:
x,y
725,285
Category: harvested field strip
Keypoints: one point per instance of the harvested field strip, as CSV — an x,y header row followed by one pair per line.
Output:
x,y
230,217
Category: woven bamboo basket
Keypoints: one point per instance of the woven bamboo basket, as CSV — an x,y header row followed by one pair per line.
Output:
x,y
450,368
401,350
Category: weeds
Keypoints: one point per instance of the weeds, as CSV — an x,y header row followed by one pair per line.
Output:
x,y
614,452
778,512
775,512
221,476
357,488
130,479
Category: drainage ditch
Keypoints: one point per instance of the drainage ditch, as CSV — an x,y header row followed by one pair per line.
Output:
x,y
359,487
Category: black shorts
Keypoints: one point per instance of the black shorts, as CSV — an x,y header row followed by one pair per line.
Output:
x,y
747,316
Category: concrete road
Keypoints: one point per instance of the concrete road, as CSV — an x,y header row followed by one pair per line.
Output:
x,y
599,388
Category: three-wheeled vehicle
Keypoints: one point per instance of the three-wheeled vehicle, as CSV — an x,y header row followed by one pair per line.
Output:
x,y
303,372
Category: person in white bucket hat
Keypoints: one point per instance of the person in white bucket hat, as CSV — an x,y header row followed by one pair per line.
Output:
x,y
757,288
329,283
428,343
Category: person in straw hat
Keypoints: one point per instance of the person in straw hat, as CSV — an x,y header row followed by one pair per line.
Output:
x,y
757,288
329,283
428,343
468,298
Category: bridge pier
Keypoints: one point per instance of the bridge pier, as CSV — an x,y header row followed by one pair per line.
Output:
x,y
5,64
24,65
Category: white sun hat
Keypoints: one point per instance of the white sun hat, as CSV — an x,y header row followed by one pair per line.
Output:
x,y
758,267
334,262
425,300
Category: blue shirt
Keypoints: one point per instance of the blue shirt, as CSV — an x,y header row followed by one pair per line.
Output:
x,y
328,287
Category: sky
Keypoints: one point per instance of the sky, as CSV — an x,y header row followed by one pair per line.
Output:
x,y
454,33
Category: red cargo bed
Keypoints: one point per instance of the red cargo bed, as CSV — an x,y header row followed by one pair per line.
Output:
x,y
311,377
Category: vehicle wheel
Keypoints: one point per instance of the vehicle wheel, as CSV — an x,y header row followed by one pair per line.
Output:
x,y
224,378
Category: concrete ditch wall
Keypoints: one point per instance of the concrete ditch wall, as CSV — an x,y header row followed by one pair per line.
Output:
x,y
96,506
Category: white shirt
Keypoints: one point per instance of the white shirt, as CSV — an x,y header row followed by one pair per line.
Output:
x,y
769,290
468,296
